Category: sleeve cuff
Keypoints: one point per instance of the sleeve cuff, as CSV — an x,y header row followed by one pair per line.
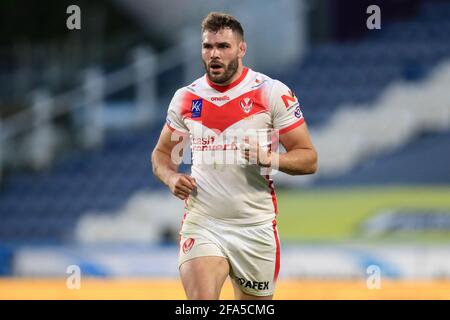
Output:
x,y
292,126
181,133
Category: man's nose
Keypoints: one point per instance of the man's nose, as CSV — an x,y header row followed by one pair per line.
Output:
x,y
215,53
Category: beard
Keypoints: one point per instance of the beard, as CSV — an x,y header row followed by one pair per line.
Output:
x,y
228,72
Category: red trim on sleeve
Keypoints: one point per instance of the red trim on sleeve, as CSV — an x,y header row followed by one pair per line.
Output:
x,y
229,86
175,130
171,129
292,126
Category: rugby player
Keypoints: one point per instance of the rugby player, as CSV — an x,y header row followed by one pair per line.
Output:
x,y
229,225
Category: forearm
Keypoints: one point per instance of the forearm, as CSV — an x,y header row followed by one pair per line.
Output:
x,y
296,161
163,166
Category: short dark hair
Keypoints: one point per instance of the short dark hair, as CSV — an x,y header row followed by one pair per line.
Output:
x,y
216,21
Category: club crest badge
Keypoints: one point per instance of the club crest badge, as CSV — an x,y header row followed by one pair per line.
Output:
x,y
188,244
246,104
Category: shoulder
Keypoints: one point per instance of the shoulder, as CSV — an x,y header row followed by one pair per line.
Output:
x,y
183,93
260,79
279,88
194,87
276,91
272,86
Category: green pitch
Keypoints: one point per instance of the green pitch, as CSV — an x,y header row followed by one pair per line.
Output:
x,y
336,214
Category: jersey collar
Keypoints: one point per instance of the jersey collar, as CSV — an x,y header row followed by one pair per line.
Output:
x,y
229,86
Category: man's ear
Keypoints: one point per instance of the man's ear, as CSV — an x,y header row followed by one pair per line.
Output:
x,y
242,49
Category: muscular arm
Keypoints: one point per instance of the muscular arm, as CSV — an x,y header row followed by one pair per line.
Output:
x,y
165,168
301,156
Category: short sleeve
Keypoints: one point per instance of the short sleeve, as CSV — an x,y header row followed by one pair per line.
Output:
x,y
285,108
174,119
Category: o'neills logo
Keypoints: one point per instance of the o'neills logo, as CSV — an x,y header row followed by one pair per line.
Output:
x,y
188,244
224,98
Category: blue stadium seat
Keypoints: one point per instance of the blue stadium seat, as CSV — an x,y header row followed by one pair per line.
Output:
x,y
46,206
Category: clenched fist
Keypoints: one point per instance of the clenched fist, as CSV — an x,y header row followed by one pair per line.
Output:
x,y
253,153
182,185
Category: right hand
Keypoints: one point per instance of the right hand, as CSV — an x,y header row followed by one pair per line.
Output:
x,y
182,185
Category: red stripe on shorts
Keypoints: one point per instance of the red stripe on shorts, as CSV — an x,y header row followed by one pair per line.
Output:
x,y
277,256
179,233
274,196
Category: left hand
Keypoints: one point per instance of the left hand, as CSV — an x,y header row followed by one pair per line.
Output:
x,y
253,151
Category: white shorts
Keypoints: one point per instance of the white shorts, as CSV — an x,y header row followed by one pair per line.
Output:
x,y
253,252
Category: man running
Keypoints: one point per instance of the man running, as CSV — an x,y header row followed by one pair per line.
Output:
x,y
229,226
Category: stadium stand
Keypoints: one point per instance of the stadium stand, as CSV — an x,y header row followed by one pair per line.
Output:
x,y
357,72
45,207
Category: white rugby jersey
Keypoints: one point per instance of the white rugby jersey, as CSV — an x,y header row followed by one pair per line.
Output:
x,y
215,118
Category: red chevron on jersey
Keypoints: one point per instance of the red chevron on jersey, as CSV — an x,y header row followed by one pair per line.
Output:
x,y
221,117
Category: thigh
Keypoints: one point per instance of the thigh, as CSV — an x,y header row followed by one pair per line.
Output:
x,y
202,263
239,295
203,277
254,258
